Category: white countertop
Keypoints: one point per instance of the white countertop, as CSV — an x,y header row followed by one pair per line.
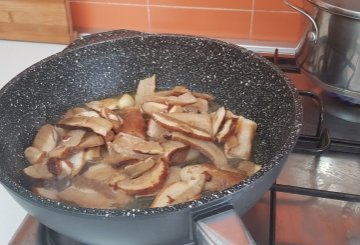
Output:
x,y
14,58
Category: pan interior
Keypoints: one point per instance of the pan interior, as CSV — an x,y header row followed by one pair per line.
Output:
x,y
238,79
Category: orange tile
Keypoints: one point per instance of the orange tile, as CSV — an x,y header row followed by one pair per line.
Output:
x,y
277,26
276,5
90,17
237,4
143,2
212,23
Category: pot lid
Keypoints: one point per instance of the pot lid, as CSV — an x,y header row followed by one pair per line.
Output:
x,y
349,8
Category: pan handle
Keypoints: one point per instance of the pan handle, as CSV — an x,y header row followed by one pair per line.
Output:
x,y
217,226
313,35
102,37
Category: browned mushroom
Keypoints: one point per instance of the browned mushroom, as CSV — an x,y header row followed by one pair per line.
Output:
x,y
176,108
217,119
46,138
176,125
153,107
133,122
171,147
204,96
34,155
99,172
207,148
184,99
93,154
201,121
176,91
145,88
139,168
240,144
110,103
77,161
97,124
38,171
114,118
200,106
124,144
148,147
216,179
226,130
155,131
179,192
149,182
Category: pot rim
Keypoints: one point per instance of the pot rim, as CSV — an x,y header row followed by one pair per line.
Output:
x,y
285,149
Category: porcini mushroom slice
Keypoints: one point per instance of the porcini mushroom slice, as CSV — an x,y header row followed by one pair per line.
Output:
x,y
155,131
179,192
176,125
240,144
201,106
133,122
137,169
216,179
59,168
77,161
73,137
126,100
99,172
184,99
74,111
153,107
90,140
93,154
38,171
97,124
124,145
148,147
149,182
176,91
225,131
46,138
176,108
145,88
217,119
170,147
207,148
115,119
89,198
173,175
34,155
110,103
204,96
201,121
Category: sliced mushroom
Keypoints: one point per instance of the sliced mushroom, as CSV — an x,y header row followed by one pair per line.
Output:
x,y
145,88
226,130
93,154
114,118
133,123
90,140
184,99
149,182
176,108
176,91
201,121
171,147
155,131
87,114
123,144
74,111
110,103
59,168
139,168
73,137
148,147
240,144
126,100
34,155
216,179
173,175
204,96
98,125
119,159
38,171
173,124
153,107
179,192
201,106
217,119
100,172
207,148
46,138
89,198
77,161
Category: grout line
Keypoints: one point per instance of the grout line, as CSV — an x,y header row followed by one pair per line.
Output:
x,y
148,16
148,5
252,19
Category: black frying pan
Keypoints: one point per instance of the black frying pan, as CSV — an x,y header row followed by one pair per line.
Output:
x,y
111,63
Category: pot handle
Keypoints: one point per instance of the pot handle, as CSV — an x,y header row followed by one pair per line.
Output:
x,y
313,35
217,226
102,37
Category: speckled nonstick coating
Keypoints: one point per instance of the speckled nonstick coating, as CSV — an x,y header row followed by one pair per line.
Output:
x,y
241,81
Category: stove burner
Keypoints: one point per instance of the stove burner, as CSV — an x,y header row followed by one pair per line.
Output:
x,y
50,237
342,107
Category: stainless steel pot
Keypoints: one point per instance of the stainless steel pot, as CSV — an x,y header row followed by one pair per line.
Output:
x,y
330,49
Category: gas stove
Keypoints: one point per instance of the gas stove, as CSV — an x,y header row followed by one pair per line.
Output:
x,y
315,200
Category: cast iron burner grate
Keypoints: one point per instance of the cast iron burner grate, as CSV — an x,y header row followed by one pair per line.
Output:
x,y
313,144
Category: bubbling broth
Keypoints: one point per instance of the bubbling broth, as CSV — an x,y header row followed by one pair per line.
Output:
x,y
147,149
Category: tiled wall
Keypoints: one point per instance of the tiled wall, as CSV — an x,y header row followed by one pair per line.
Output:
x,y
268,20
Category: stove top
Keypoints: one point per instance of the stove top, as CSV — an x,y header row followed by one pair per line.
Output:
x,y
315,200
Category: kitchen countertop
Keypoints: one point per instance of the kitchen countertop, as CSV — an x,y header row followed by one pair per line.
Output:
x,y
15,57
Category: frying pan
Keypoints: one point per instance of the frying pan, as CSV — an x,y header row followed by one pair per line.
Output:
x,y
107,64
